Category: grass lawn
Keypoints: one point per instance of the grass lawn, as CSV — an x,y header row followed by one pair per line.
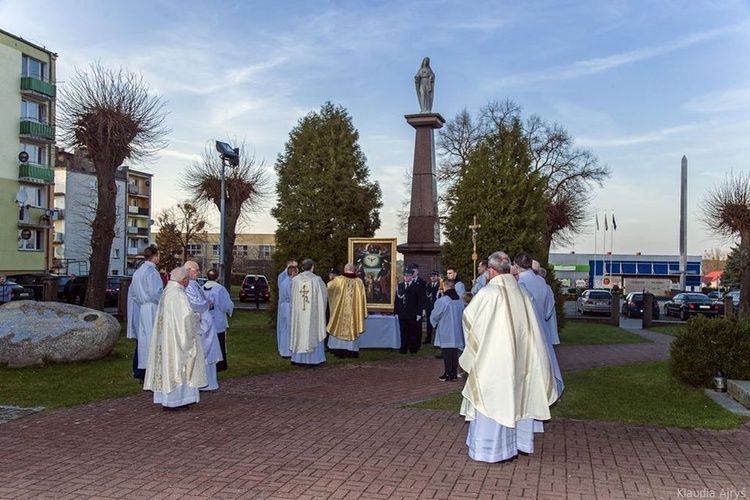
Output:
x,y
640,393
672,330
588,333
251,350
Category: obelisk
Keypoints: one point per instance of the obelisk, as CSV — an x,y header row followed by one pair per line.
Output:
x,y
423,234
683,222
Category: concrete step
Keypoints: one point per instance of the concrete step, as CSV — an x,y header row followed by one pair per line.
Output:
x,y
740,391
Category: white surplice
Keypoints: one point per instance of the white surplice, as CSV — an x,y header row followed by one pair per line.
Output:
x,y
211,348
223,305
143,299
283,325
446,317
545,300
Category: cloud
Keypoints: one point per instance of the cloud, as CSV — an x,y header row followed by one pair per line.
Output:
x,y
598,65
720,101
652,136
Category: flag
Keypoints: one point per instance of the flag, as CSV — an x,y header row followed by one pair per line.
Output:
x,y
606,226
596,216
614,223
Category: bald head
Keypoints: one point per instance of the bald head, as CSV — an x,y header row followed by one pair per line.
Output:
x,y
193,268
349,268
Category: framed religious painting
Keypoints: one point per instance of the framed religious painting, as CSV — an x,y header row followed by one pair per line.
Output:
x,y
375,262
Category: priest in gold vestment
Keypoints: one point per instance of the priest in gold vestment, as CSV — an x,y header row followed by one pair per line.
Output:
x,y
510,384
176,364
348,306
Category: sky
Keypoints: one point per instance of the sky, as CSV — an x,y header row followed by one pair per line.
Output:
x,y
639,83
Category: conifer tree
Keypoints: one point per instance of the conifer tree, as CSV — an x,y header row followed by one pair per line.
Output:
x,y
324,194
498,186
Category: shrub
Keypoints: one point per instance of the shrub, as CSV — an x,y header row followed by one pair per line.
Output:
x,y
708,345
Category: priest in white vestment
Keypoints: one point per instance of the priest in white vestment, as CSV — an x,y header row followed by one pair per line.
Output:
x,y
143,299
347,303
541,291
223,308
176,366
309,297
201,305
509,378
284,312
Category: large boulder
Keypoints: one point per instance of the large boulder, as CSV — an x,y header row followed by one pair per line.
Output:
x,y
34,332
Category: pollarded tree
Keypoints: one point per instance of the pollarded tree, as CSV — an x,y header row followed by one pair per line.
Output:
x,y
110,115
497,184
323,190
569,172
726,212
246,186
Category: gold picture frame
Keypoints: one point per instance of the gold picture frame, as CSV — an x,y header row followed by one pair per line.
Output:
x,y
375,262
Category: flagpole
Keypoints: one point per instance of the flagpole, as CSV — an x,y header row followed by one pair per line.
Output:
x,y
604,249
596,241
612,243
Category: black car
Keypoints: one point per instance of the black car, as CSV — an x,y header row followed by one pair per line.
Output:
x,y
254,285
112,292
633,306
33,282
684,305
17,292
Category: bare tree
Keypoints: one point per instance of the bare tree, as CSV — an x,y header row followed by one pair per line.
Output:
x,y
111,115
180,226
247,188
726,211
569,172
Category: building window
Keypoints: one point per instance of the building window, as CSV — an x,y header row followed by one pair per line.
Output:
x,y
37,154
194,249
36,196
33,67
215,250
265,251
33,111
35,240
240,250
115,253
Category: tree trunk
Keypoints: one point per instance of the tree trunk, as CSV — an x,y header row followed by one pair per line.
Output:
x,y
102,234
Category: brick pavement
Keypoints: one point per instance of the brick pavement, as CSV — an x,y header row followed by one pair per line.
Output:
x,y
341,432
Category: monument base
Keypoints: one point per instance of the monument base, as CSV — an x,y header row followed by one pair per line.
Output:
x,y
426,255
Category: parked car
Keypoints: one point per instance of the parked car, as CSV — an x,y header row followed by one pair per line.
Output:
x,y
633,306
112,292
735,294
254,285
595,301
684,305
714,295
17,292
77,289
33,282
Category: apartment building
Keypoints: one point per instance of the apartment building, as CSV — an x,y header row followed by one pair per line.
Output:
x,y
75,198
27,137
253,253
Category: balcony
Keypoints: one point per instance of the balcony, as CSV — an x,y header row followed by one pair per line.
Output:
x,y
38,131
132,189
132,209
132,230
38,174
143,231
143,211
33,85
59,238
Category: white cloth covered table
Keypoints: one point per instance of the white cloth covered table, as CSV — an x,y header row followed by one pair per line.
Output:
x,y
381,330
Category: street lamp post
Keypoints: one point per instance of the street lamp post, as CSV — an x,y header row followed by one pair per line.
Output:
x,y
232,156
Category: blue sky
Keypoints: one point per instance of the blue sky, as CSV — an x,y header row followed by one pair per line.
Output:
x,y
640,83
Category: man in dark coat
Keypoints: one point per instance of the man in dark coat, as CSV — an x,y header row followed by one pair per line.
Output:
x,y
431,295
410,299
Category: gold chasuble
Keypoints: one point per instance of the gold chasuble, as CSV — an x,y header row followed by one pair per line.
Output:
x,y
509,373
348,307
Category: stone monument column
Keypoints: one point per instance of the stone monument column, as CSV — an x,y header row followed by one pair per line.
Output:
x,y
423,236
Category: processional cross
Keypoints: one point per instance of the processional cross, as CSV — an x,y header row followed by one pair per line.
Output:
x,y
304,292
474,227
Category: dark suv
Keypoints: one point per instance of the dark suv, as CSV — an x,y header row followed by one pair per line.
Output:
x,y
254,285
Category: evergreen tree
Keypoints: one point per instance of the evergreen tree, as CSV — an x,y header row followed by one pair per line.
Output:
x,y
498,186
324,195
732,275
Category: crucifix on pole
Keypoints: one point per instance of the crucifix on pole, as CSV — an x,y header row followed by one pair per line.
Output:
x,y
474,227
